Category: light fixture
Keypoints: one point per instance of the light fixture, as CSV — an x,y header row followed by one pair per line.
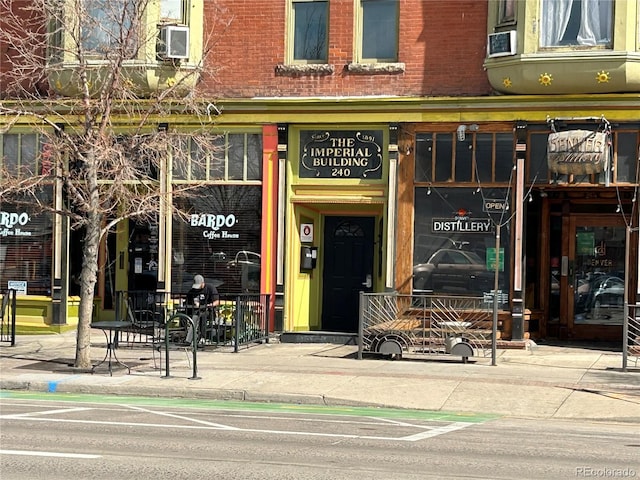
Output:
x,y
428,190
530,198
618,209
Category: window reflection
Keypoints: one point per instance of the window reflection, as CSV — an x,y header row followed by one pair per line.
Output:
x,y
380,29
454,247
310,30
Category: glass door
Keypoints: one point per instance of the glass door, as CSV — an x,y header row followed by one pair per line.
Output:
x,y
596,277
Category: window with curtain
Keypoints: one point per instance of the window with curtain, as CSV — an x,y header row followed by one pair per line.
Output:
x,y
378,30
310,27
576,23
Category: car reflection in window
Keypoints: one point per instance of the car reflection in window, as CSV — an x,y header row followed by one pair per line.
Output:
x,y
452,271
248,267
610,292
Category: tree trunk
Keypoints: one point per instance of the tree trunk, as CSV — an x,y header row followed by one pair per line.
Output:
x,y
88,279
88,276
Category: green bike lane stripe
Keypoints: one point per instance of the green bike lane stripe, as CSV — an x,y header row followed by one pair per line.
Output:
x,y
377,412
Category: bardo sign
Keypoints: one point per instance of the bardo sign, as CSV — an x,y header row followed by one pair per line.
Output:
x,y
341,154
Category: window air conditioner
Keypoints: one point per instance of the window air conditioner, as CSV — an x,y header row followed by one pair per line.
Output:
x,y
501,44
173,42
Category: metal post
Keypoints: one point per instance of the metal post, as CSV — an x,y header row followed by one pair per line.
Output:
x,y
625,320
494,324
166,347
236,330
195,327
360,329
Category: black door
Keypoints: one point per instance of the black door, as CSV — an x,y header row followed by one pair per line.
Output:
x,y
143,255
348,270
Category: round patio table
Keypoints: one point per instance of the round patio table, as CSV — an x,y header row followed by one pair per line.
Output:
x,y
110,330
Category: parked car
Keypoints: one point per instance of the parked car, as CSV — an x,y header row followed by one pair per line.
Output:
x,y
453,271
609,292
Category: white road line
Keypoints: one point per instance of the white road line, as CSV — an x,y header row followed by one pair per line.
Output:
x,y
182,417
452,427
410,438
402,424
47,454
46,412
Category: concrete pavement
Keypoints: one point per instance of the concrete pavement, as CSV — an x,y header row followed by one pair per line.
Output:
x,y
541,382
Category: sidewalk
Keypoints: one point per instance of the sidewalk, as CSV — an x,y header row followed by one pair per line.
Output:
x,y
542,382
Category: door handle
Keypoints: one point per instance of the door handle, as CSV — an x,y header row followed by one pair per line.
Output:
x,y
368,282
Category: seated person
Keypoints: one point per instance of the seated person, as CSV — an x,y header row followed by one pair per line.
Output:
x,y
202,297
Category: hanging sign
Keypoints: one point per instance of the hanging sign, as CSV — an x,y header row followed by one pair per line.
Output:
x,y
341,154
495,205
577,152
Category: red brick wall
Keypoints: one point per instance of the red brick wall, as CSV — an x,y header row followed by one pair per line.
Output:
x,y
442,43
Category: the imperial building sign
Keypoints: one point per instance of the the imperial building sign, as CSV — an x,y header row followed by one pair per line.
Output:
x,y
341,154
577,152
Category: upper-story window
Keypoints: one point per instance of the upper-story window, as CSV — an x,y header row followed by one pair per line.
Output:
x,y
576,23
378,31
109,25
172,10
507,11
310,33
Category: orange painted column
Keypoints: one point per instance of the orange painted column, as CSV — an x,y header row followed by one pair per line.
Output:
x,y
269,216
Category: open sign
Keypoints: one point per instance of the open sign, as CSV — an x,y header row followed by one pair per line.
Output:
x,y
494,205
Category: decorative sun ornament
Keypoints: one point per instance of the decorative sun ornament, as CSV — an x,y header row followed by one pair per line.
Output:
x,y
603,77
171,82
506,81
545,79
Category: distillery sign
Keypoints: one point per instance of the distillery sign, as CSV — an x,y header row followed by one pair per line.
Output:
x,y
577,152
461,225
341,154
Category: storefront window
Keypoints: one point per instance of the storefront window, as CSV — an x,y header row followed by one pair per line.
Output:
x,y
233,156
464,156
219,240
624,152
626,146
455,240
26,234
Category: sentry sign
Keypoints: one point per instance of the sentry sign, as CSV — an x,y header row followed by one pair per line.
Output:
x,y
494,205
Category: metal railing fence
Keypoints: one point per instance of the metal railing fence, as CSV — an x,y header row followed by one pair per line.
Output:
x,y
239,319
8,317
631,335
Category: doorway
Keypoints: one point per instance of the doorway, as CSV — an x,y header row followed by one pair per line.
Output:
x,y
143,256
588,276
347,270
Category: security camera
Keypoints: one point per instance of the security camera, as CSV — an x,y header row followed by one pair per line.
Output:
x,y
215,109
461,133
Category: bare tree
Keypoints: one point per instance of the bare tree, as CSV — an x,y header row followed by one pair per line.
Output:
x,y
69,73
